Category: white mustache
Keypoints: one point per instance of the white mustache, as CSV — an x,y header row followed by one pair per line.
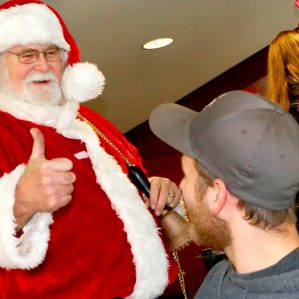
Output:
x,y
41,77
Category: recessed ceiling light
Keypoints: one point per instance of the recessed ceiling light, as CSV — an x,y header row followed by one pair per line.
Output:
x,y
158,43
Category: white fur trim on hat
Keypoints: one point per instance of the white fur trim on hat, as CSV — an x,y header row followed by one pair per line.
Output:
x,y
82,82
29,24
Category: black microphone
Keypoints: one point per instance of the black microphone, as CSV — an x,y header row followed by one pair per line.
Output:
x,y
139,179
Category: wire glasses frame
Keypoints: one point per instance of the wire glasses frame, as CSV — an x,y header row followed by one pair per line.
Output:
x,y
32,56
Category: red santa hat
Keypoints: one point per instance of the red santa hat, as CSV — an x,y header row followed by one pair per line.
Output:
x,y
32,21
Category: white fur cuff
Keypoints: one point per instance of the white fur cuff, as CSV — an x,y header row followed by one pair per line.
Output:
x,y
30,249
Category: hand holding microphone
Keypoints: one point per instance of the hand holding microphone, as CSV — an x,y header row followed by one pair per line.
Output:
x,y
175,227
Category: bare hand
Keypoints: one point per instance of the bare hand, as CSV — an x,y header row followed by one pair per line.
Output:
x,y
163,192
45,186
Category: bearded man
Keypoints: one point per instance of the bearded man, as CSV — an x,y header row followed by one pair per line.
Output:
x,y
72,224
241,177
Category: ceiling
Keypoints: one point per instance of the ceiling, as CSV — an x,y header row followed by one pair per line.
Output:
x,y
210,36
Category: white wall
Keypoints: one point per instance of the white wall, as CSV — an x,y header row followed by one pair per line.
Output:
x,y
210,37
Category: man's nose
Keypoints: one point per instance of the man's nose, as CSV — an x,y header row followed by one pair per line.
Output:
x,y
41,64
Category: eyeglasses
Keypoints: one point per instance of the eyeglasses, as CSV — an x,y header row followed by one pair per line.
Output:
x,y
31,56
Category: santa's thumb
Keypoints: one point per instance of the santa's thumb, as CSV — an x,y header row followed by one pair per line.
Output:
x,y
38,147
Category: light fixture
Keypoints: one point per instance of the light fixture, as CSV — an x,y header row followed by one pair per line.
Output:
x,y
158,43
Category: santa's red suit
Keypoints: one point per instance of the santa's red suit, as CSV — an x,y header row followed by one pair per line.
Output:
x,y
105,243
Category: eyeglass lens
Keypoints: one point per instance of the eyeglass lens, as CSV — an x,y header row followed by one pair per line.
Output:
x,y
30,56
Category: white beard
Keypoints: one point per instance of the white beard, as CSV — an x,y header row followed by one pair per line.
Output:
x,y
48,95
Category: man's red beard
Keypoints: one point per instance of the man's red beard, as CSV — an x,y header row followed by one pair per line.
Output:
x,y
209,230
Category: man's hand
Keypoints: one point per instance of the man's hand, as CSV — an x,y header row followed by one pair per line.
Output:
x,y
45,186
163,193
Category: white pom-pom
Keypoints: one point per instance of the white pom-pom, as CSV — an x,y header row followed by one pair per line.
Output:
x,y
82,82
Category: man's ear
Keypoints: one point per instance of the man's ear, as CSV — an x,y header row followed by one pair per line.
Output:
x,y
219,196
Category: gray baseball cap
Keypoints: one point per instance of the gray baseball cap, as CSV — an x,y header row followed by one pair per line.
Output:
x,y
249,142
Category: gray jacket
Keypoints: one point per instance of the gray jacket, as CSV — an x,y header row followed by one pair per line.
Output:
x,y
280,281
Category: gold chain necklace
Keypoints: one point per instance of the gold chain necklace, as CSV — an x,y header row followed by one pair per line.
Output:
x,y
108,141
102,135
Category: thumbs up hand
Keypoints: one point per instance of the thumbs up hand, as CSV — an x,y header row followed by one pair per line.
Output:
x,y
45,186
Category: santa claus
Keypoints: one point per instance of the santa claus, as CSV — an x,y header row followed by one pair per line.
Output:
x,y
72,224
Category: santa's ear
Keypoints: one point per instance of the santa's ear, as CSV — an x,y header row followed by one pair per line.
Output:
x,y
219,196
